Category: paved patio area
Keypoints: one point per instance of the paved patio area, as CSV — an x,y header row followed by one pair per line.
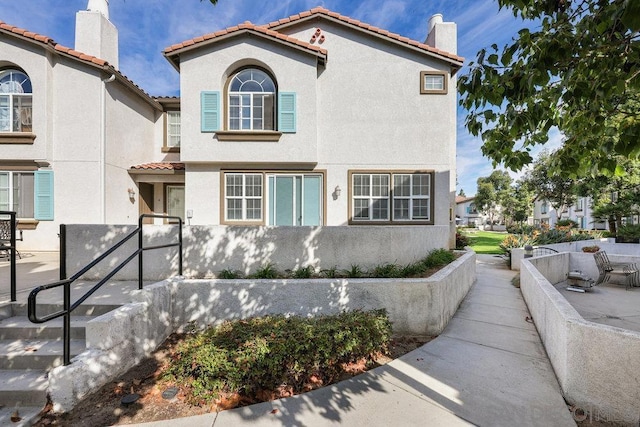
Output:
x,y
608,304
39,268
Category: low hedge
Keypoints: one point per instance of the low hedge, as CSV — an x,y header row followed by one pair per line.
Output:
x,y
253,355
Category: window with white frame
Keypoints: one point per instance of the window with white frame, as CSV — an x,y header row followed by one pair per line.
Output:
x,y
17,193
580,204
243,197
15,101
251,97
411,196
173,129
391,197
544,209
433,82
370,197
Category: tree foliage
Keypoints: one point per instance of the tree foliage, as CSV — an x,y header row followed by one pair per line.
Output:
x,y
579,71
617,197
558,189
492,191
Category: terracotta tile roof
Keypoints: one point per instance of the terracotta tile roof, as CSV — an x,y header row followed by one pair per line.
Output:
x,y
83,57
364,26
175,166
462,199
244,27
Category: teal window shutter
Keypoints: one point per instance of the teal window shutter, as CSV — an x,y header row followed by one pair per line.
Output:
x,y
43,195
210,106
287,112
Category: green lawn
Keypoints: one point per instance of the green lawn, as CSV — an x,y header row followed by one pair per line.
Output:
x,y
486,242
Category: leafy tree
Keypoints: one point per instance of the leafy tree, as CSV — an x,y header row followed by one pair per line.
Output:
x,y
617,197
558,189
579,72
517,204
491,193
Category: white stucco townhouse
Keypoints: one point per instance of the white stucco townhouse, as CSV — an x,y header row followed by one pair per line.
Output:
x,y
318,119
71,125
314,120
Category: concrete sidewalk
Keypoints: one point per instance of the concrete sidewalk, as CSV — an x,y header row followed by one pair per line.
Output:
x,y
488,368
33,269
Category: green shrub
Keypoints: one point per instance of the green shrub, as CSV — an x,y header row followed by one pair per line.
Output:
x,y
386,271
331,273
438,258
266,271
247,356
303,272
567,223
629,231
462,241
227,273
355,271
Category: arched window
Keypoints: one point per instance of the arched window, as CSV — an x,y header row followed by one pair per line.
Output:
x,y
15,101
252,94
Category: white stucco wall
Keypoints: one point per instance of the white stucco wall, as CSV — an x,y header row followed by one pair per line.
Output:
x,y
67,122
211,249
362,111
596,365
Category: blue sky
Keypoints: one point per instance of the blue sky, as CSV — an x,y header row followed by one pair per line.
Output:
x,y
146,27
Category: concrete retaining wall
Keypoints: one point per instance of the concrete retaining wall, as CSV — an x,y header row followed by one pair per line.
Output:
x,y
608,245
118,340
211,249
597,366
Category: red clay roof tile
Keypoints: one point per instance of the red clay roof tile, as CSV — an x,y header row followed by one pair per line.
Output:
x,y
246,26
48,41
368,27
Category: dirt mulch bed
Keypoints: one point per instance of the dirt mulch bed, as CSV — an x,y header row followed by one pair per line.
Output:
x,y
105,407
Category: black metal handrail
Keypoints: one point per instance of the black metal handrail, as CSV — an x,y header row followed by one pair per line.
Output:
x,y
67,307
12,251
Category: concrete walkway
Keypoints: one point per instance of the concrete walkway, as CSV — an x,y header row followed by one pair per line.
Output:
x,y
488,368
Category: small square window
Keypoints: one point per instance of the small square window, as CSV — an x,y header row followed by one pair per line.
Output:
x,y
433,82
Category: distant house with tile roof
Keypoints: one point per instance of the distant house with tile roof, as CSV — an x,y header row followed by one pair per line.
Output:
x,y
312,120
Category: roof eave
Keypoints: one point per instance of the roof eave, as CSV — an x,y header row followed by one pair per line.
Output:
x,y
174,56
456,65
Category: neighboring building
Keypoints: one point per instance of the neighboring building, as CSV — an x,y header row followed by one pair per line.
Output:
x,y
580,212
467,213
316,119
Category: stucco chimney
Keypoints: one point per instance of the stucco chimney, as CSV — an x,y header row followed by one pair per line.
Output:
x,y
95,34
442,35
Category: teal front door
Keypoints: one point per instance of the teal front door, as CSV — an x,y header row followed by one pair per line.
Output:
x,y
295,200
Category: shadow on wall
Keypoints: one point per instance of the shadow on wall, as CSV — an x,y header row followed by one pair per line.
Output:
x,y
211,249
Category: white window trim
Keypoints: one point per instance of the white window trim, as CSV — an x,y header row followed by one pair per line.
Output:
x,y
390,217
9,189
171,135
244,198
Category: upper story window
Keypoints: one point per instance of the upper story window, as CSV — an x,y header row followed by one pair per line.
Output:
x,y
15,101
173,129
433,82
544,209
252,94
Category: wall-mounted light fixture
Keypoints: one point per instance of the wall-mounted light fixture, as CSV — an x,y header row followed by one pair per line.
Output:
x,y
336,192
132,193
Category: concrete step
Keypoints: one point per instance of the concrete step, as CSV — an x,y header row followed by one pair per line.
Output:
x,y
28,415
35,354
19,309
23,388
20,327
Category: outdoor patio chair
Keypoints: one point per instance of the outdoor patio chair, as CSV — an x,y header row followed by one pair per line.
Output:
x,y
607,268
5,237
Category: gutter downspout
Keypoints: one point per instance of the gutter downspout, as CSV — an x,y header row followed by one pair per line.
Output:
x,y
103,148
